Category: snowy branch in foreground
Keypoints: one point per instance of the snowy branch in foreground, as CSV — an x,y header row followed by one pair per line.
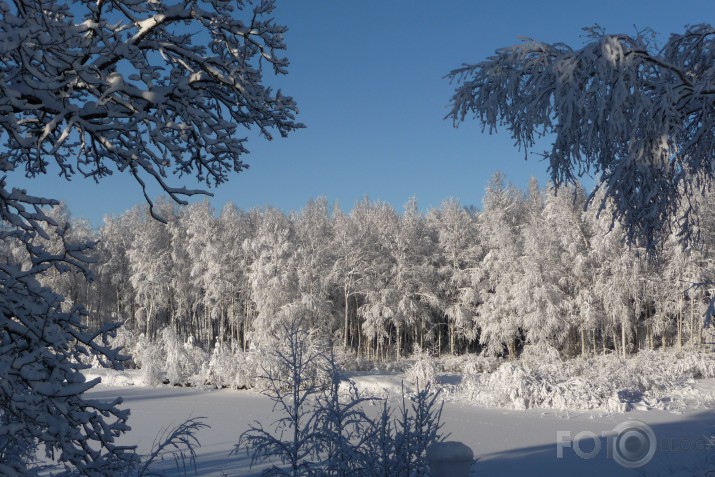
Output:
x,y
178,444
141,87
643,120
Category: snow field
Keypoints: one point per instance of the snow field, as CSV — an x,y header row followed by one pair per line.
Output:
x,y
530,416
504,441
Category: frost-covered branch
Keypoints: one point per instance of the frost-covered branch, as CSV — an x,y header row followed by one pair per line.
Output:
x,y
178,444
642,119
143,87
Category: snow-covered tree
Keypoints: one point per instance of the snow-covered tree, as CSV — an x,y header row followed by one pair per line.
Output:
x,y
413,247
353,244
539,295
204,252
640,116
377,224
292,382
115,298
501,315
458,269
618,283
313,230
272,274
572,265
236,228
43,343
94,88
323,428
151,267
314,260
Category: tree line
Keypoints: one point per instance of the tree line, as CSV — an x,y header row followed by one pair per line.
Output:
x,y
531,268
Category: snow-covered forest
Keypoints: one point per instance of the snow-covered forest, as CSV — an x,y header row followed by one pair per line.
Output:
x,y
530,270
583,318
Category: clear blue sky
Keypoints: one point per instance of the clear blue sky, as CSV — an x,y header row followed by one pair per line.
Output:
x,y
368,77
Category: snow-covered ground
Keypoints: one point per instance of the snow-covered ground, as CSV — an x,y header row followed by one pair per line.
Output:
x,y
505,442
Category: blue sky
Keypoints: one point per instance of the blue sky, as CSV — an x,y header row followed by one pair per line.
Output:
x,y
368,78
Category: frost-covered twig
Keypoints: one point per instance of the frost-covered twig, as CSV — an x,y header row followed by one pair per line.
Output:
x,y
179,444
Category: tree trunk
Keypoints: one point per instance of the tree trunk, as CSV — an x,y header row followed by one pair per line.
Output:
x,y
346,324
511,347
615,339
439,340
593,340
583,342
680,327
450,330
398,334
692,322
149,313
623,339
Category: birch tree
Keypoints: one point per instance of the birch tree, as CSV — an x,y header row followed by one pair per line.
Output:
x,y
272,276
457,259
414,277
501,316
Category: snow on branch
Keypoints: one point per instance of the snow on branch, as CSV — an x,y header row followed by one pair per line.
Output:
x,y
143,87
641,118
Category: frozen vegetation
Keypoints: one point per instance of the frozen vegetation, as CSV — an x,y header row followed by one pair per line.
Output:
x,y
666,380
529,303
531,270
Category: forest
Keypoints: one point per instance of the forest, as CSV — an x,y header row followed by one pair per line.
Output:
x,y
153,90
529,270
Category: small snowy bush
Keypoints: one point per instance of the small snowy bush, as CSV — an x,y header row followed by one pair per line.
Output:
x,y
424,369
478,364
149,356
539,353
126,341
223,367
182,360
398,444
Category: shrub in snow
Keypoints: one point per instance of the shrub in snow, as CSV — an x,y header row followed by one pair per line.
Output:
x,y
182,360
539,353
470,364
647,379
424,369
239,369
249,372
291,384
343,429
400,443
323,429
223,367
169,358
126,341
149,356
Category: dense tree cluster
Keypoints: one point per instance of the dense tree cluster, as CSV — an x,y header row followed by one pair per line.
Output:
x,y
530,268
